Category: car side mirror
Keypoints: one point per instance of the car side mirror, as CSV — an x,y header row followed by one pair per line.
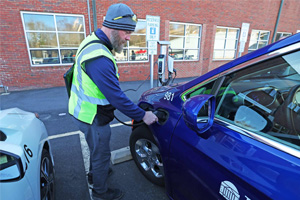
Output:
x,y
199,111
10,167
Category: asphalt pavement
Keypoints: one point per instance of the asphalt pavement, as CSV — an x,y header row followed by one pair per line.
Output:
x,y
51,104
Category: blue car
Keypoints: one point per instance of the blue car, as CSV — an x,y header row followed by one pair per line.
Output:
x,y
233,133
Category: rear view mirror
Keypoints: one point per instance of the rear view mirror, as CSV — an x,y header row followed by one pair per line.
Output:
x,y
198,112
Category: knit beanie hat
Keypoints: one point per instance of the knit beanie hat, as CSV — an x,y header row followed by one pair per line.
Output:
x,y
120,16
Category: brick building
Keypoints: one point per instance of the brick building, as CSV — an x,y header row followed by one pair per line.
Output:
x,y
39,38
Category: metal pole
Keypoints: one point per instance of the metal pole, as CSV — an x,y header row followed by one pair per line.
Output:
x,y
277,21
94,14
151,71
89,14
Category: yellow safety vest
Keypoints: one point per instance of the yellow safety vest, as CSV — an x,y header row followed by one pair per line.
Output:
x,y
85,95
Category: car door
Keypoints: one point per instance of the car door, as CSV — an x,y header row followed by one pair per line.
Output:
x,y
252,150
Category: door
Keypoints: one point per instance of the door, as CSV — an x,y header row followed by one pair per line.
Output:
x,y
252,151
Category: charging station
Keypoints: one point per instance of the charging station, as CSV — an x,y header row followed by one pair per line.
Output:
x,y
165,61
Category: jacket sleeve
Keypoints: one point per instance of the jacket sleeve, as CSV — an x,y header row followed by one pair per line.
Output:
x,y
103,74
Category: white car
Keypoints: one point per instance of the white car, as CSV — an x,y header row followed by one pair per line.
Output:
x,y
26,162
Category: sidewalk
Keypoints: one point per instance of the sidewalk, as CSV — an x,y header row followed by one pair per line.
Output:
x,y
41,100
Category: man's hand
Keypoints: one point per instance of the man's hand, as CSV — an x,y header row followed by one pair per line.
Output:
x,y
150,118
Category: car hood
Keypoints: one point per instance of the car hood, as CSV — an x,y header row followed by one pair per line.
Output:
x,y
14,122
160,94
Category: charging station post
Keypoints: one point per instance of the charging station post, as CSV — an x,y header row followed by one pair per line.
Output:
x,y
152,49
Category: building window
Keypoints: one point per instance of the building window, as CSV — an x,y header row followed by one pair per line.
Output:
x,y
136,49
281,35
226,41
52,39
258,40
185,41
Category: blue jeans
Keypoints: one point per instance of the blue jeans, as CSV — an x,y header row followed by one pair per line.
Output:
x,y
98,138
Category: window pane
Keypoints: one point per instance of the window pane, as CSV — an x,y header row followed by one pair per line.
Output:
x,y
252,44
44,57
232,34
286,34
278,36
69,23
264,35
140,54
176,42
191,55
254,35
39,22
270,105
230,44
176,29
121,56
229,54
262,44
137,41
281,35
68,55
218,54
192,42
220,33
177,54
219,44
132,55
192,30
70,39
42,40
140,27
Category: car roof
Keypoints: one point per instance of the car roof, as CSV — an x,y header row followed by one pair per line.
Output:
x,y
262,51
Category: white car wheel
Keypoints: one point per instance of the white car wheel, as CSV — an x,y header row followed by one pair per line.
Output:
x,y
46,177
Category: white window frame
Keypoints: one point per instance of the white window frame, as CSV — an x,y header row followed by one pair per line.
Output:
x,y
128,48
281,33
56,32
236,44
258,39
184,39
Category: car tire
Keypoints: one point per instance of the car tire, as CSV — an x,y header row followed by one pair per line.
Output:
x,y
46,176
146,155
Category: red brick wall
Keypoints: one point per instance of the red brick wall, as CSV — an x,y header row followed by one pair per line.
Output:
x,y
17,74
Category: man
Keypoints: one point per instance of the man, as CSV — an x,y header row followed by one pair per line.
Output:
x,y
96,93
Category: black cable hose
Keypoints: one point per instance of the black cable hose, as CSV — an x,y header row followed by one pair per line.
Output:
x,y
138,124
138,87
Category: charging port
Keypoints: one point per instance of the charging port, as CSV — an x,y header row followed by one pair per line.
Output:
x,y
162,116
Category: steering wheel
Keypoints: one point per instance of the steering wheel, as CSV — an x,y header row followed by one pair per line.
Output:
x,y
288,114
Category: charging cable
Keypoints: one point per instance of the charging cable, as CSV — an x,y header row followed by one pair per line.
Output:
x,y
138,87
138,124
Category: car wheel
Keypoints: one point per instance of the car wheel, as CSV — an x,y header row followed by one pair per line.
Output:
x,y
46,177
146,155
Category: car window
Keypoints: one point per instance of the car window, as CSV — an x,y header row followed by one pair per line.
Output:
x,y
265,98
204,89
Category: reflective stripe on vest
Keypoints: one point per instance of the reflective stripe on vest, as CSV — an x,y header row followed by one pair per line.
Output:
x,y
87,96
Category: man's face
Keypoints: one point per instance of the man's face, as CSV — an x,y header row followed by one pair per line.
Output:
x,y
118,39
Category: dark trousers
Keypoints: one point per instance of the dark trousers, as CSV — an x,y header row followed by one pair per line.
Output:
x,y
98,138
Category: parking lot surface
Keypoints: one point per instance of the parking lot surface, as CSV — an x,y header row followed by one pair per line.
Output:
x,y
70,173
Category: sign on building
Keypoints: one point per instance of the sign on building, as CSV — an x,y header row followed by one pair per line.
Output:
x,y
153,24
244,35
